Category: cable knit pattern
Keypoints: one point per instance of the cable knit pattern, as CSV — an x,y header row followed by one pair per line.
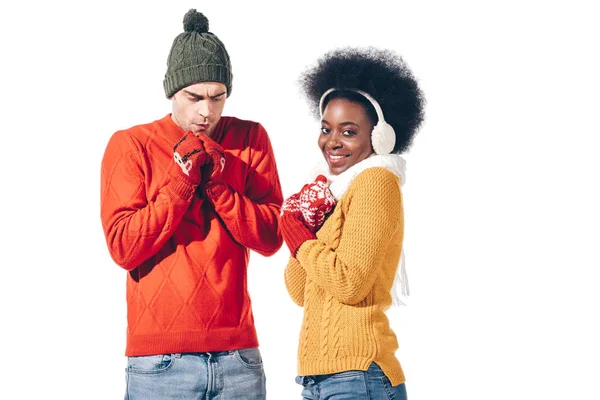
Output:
x,y
304,345
336,311
349,272
325,322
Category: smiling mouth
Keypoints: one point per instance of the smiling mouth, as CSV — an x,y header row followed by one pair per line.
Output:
x,y
335,157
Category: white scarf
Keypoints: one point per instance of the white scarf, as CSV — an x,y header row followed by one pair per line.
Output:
x,y
338,184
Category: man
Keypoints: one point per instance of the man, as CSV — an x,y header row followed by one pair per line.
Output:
x,y
184,199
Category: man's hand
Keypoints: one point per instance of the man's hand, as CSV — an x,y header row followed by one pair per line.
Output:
x,y
190,155
215,162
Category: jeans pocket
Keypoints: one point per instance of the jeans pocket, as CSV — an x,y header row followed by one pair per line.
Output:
x,y
249,358
393,392
149,364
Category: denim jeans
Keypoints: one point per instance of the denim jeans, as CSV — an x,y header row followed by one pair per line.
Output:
x,y
351,385
235,374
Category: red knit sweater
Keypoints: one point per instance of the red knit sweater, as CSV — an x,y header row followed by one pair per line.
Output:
x,y
187,253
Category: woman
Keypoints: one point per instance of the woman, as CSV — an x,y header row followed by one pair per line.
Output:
x,y
345,229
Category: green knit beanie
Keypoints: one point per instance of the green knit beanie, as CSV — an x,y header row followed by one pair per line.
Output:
x,y
197,55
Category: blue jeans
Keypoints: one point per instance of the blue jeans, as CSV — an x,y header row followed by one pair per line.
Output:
x,y
235,374
351,385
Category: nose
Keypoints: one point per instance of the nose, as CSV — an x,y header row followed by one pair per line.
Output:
x,y
204,109
334,142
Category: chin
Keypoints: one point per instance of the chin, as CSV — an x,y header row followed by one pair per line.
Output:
x,y
336,170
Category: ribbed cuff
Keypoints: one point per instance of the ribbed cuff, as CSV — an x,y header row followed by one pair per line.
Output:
x,y
216,190
295,233
182,188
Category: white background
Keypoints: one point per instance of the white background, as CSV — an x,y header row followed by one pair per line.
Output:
x,y
501,198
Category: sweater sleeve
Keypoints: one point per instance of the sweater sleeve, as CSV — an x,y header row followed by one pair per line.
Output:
x,y
295,281
252,217
136,228
348,272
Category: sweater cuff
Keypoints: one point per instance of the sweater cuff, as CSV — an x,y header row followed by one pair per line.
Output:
x,y
302,253
216,191
182,188
295,234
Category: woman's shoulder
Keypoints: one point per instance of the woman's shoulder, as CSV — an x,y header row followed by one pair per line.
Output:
x,y
376,179
375,191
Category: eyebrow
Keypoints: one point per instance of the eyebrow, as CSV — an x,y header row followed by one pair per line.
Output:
x,y
201,97
342,123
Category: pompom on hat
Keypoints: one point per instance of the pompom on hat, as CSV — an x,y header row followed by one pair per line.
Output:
x,y
196,55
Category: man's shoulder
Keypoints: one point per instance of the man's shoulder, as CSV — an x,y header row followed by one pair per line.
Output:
x,y
253,132
238,123
139,133
143,129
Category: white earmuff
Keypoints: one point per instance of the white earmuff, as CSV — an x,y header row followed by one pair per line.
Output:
x,y
383,137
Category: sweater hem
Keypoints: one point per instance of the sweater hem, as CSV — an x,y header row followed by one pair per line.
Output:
x,y
223,339
393,372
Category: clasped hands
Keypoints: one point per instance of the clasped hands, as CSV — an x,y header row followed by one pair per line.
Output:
x,y
200,158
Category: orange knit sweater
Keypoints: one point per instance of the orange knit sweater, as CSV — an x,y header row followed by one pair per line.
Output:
x,y
343,280
187,254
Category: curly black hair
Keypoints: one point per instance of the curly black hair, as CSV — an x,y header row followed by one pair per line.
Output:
x,y
381,73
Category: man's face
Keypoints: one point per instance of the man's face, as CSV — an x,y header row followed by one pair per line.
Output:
x,y
198,107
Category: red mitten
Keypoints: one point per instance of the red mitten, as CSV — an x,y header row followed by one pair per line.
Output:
x,y
292,205
315,202
216,158
294,231
190,155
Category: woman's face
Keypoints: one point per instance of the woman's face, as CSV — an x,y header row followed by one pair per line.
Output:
x,y
345,137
